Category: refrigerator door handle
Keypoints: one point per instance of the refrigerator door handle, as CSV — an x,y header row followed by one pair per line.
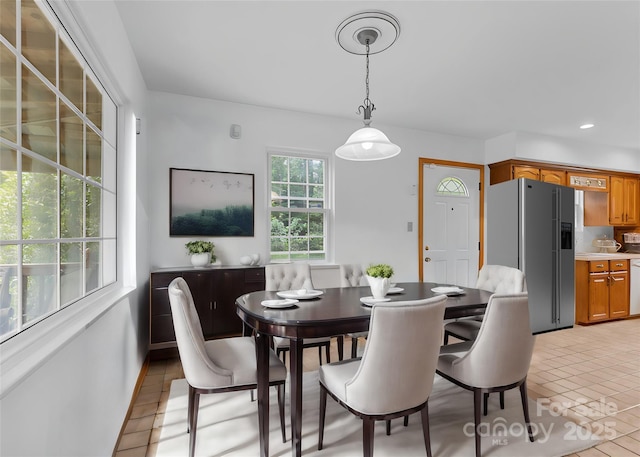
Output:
x,y
555,305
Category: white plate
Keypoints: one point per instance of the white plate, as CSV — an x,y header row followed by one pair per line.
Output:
x,y
448,290
372,301
278,303
395,290
302,294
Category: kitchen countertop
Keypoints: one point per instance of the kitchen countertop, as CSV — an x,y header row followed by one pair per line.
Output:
x,y
605,256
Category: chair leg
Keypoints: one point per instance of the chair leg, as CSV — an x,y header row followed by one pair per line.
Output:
x,y
525,408
367,436
485,401
281,410
446,338
323,409
425,428
193,426
328,352
192,393
340,347
388,421
320,354
406,421
354,348
502,400
253,398
477,400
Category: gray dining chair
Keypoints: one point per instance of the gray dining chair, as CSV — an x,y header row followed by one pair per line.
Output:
x,y
494,278
353,275
497,360
215,366
368,387
294,276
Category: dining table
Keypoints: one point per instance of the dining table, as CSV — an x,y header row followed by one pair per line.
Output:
x,y
324,313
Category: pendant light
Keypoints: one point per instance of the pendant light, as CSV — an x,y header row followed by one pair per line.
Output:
x,y
371,32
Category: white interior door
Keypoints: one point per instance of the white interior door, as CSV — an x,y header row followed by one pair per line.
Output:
x,y
451,220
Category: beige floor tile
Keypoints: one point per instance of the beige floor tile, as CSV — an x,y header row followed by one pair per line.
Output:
x,y
149,397
546,376
133,440
135,452
139,425
148,409
628,442
613,449
155,435
158,420
153,379
151,388
592,452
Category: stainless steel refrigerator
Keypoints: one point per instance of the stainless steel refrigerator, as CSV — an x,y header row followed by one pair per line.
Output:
x,y
530,226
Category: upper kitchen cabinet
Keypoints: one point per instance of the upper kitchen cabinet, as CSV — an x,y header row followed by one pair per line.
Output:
x,y
610,198
508,170
554,176
623,201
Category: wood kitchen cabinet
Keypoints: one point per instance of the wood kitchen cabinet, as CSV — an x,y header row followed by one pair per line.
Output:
x,y
602,290
623,201
214,294
507,171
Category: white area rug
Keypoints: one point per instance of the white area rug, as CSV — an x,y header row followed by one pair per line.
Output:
x,y
228,426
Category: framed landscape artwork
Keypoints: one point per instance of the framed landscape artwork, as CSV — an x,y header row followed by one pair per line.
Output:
x,y
210,203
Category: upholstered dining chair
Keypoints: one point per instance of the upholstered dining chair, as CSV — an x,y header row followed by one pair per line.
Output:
x,y
291,276
215,366
353,275
368,387
497,360
494,278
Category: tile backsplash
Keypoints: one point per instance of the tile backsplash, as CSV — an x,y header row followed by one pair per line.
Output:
x,y
583,239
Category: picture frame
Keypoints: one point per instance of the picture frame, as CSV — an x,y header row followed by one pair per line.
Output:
x,y
211,203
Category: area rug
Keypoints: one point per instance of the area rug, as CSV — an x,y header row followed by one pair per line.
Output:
x,y
228,426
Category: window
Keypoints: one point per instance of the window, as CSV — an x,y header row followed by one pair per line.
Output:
x,y
299,210
453,187
57,171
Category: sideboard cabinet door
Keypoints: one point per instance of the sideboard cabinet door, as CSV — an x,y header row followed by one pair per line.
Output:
x,y
214,294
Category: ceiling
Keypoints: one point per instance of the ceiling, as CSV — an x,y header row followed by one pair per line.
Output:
x,y
477,69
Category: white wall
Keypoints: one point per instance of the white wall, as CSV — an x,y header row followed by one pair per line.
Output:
x,y
67,393
373,200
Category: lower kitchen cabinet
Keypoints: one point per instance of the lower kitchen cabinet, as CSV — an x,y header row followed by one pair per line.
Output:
x,y
602,290
214,294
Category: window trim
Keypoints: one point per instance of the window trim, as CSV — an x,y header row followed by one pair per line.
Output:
x,y
328,211
56,14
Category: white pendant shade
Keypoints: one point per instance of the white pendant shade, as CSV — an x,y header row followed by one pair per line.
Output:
x,y
367,144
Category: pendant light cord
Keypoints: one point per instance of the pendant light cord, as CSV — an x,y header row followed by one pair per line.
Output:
x,y
367,105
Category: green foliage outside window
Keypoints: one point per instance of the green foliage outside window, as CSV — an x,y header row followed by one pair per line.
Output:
x,y
299,211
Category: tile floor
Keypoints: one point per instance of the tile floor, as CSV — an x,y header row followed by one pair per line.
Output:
x,y
590,374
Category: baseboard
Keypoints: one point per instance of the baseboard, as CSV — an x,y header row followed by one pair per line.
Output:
x,y
134,395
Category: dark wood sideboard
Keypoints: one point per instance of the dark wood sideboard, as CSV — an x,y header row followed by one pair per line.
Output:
x,y
214,293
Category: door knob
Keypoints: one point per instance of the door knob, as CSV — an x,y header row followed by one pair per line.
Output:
x,y
427,259
426,248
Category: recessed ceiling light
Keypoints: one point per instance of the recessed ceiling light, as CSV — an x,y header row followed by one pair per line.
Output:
x,y
586,126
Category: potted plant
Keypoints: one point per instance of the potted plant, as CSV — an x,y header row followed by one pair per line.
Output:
x,y
379,279
201,252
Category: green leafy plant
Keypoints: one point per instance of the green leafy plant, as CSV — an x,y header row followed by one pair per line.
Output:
x,y
381,270
200,247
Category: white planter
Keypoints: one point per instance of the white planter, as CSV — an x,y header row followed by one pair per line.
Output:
x,y
379,286
200,260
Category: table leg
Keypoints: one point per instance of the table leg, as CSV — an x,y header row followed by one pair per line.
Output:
x,y
295,369
262,353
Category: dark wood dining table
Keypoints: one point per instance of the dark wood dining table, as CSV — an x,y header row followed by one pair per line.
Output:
x,y
337,311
